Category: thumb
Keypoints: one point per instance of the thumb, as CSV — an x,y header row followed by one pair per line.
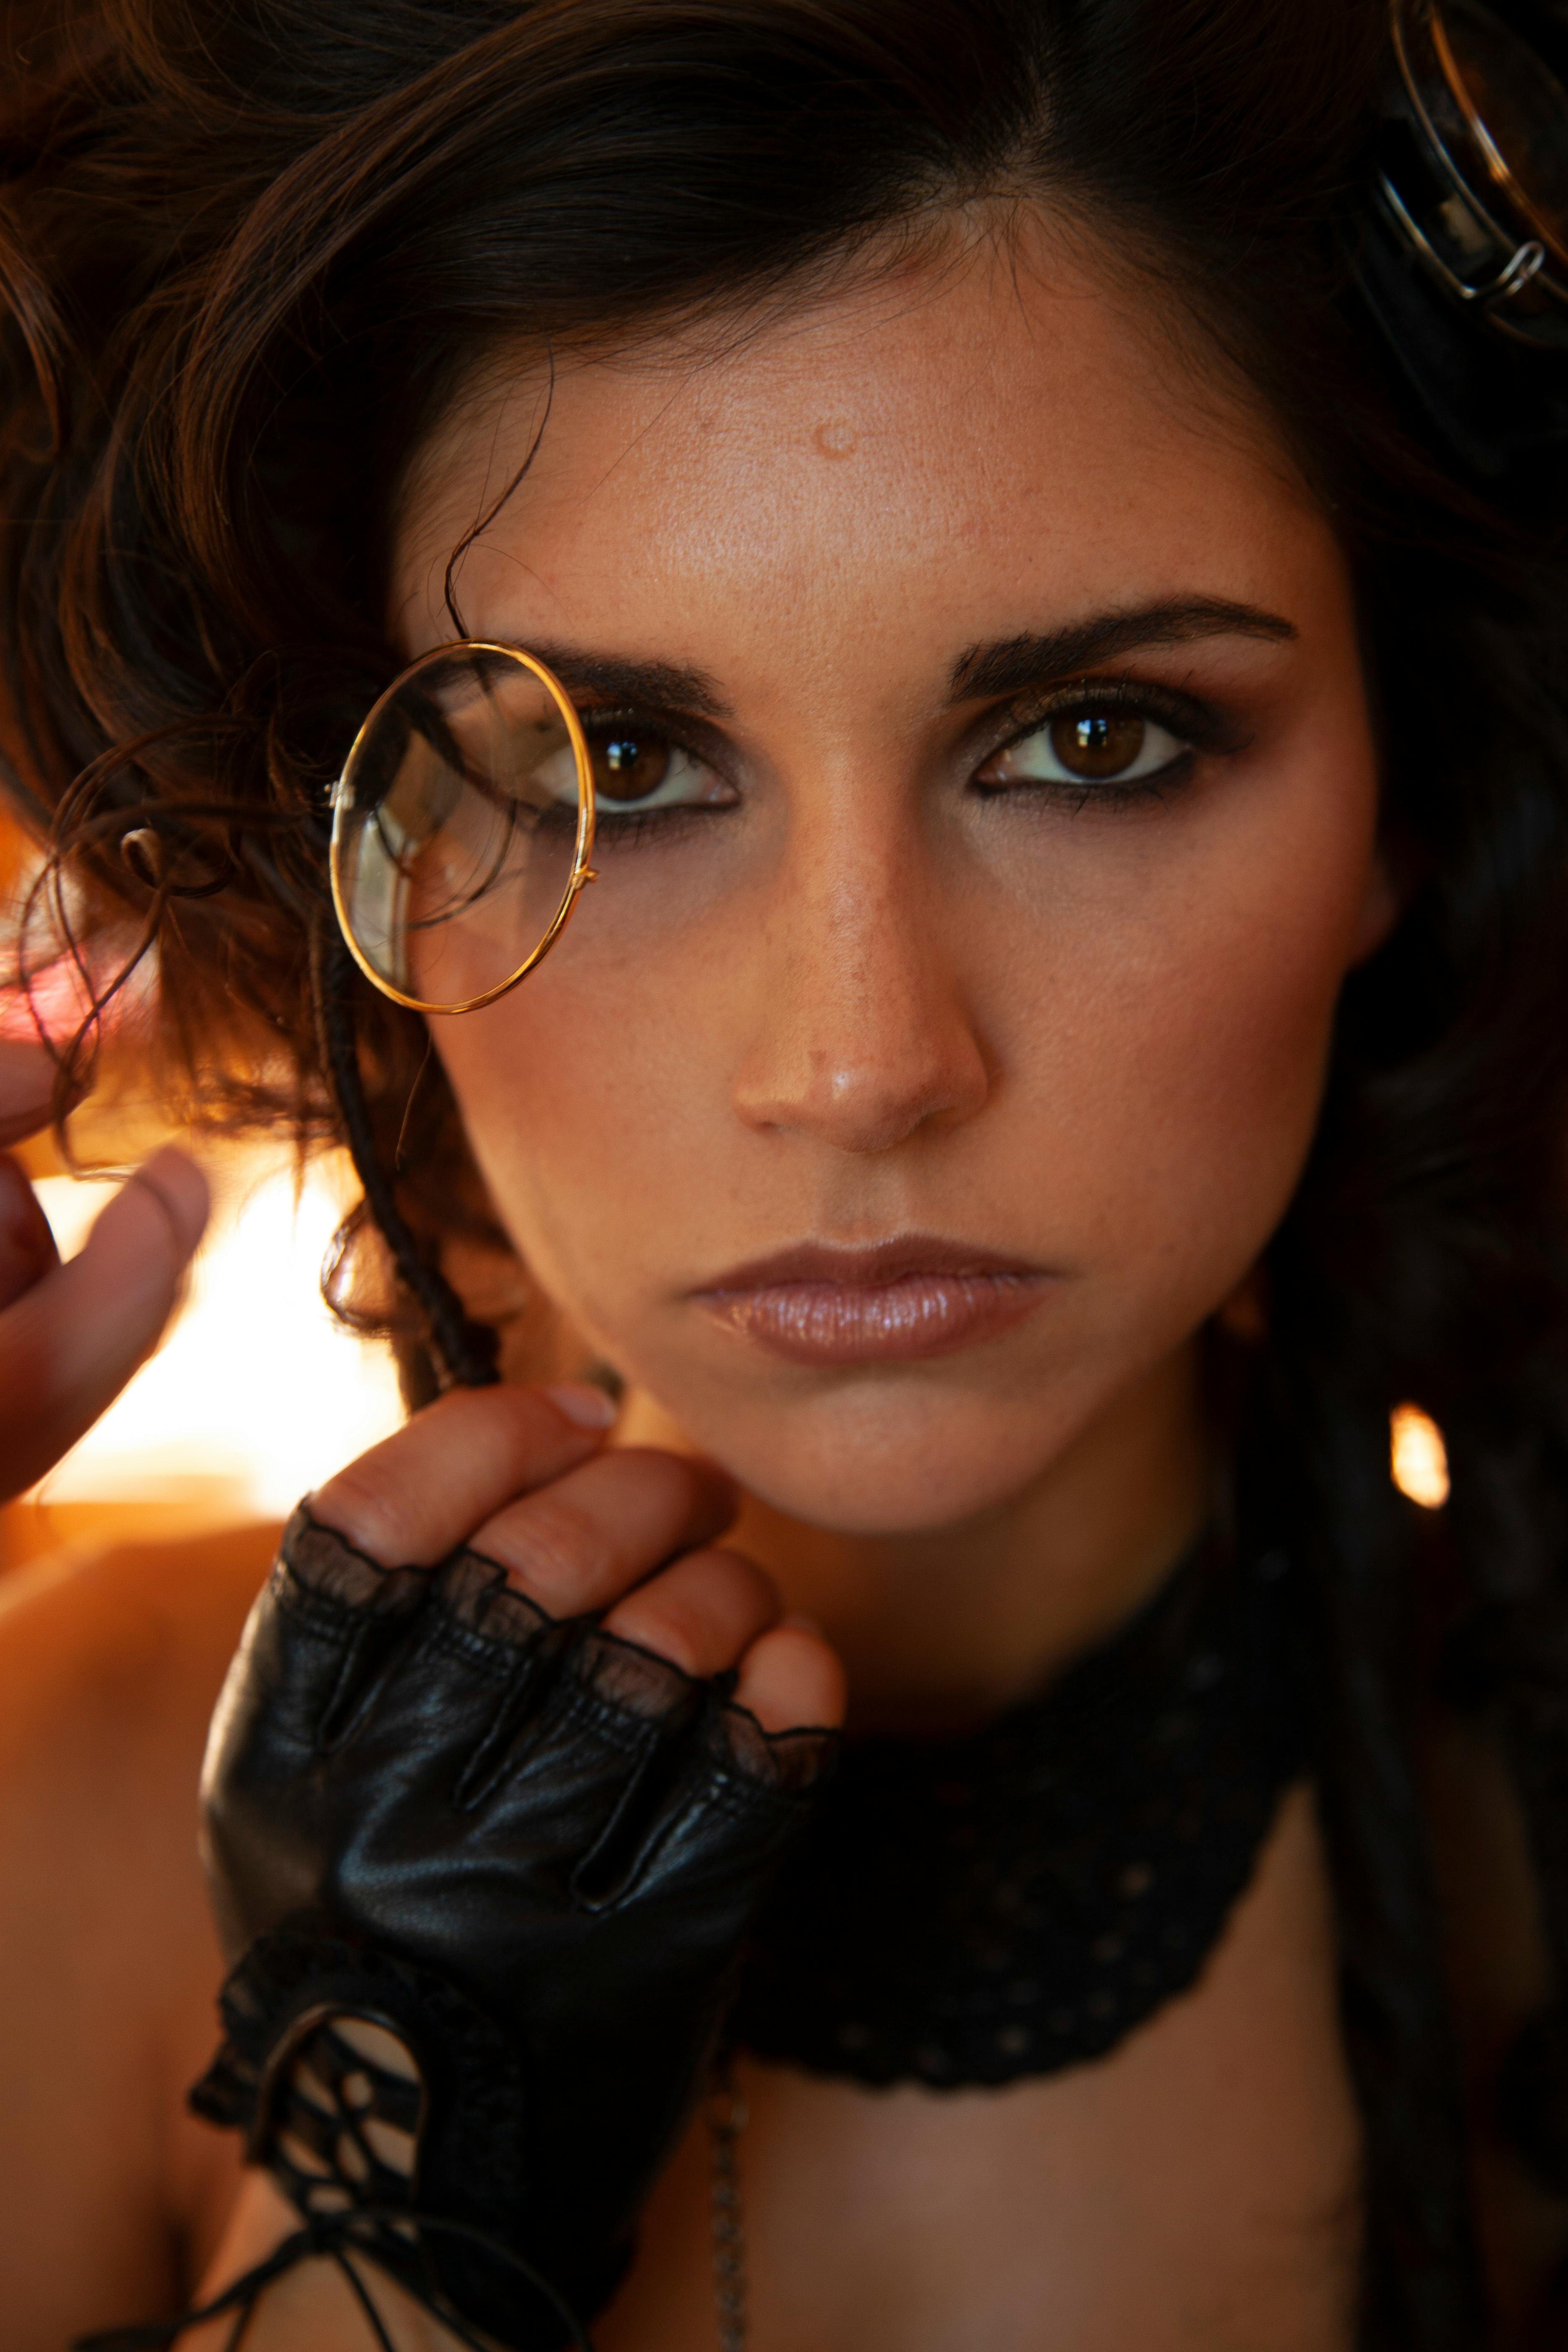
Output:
x,y
71,1343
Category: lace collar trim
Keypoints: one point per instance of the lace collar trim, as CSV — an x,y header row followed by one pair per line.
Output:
x,y
1018,1899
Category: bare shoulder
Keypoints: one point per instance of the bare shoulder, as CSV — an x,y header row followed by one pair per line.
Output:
x,y
109,1670
170,1597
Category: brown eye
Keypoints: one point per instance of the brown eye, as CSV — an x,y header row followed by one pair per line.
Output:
x,y
629,767
1100,752
1098,744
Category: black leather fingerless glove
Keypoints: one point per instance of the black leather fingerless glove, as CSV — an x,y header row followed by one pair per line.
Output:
x,y
526,1850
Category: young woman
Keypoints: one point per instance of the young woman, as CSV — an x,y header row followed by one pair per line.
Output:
x,y
1055,611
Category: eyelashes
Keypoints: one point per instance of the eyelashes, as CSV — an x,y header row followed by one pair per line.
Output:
x,y
1096,742
645,769
1103,740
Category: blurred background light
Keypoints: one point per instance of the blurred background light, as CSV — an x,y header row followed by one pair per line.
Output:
x,y
1418,1457
258,1393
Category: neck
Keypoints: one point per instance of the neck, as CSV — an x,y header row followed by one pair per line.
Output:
x,y
944,1626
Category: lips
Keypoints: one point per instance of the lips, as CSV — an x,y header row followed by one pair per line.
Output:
x,y
898,1302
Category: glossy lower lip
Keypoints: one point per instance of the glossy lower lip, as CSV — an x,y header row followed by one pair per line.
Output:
x,y
900,1303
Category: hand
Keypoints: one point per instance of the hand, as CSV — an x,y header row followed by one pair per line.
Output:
x,y
72,1336
579,1530
473,1791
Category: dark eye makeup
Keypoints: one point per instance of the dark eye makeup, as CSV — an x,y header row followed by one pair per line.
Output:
x,y
1100,742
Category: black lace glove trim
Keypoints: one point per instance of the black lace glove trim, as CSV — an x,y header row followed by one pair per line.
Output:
x,y
346,1595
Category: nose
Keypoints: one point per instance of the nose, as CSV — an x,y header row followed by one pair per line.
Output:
x,y
861,1036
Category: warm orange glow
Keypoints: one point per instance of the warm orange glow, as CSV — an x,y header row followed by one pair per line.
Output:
x,y
257,1394
1418,1457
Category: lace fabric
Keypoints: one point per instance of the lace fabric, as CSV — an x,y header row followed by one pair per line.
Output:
x,y
471,1593
337,1574
1014,1901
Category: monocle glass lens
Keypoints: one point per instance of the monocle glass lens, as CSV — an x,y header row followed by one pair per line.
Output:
x,y
461,824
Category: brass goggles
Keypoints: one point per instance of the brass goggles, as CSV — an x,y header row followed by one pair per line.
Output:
x,y
462,828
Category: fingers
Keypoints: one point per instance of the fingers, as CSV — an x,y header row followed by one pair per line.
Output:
x,y
178,1189
579,1544
589,1532
702,1614
26,1089
69,1344
27,1249
418,1495
791,1678
715,1610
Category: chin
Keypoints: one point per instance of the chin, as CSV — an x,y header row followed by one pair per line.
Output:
x,y
874,1463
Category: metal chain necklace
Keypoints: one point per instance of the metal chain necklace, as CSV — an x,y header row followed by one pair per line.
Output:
x,y
727,2118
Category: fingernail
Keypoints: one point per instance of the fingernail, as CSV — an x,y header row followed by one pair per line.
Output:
x,y
590,1408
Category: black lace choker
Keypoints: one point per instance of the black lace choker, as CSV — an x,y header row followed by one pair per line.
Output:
x,y
1016,1900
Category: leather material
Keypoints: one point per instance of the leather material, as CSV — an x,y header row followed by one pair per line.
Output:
x,y
566,1831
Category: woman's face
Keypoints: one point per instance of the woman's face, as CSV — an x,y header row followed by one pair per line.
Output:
x,y
994,825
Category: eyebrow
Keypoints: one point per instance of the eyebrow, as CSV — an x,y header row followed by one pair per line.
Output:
x,y
665,686
1007,666
1011,665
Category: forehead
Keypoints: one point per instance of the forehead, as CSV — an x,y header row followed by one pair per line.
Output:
x,y
963,437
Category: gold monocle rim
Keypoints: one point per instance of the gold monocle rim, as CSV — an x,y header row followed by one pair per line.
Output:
x,y
582,867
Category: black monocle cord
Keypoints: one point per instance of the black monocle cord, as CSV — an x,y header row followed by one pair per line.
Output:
x,y
467,1350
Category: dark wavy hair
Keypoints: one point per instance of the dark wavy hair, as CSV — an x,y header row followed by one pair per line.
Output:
x,y
249,254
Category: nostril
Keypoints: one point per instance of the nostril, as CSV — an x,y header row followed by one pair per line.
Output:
x,y
899,1068
870,1109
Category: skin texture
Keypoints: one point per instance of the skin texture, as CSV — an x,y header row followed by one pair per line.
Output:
x,y
854,1000
859,1000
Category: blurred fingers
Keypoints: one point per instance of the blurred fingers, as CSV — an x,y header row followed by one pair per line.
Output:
x,y
702,1613
26,1089
791,1678
69,1344
27,1249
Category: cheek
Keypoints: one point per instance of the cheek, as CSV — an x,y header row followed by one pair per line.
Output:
x,y
1158,1022
590,1108
1177,1074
